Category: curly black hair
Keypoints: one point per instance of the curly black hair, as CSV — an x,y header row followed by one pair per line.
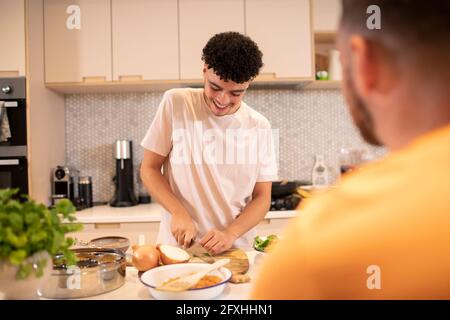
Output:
x,y
233,56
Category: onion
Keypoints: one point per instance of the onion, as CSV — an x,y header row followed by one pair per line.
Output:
x,y
145,257
171,254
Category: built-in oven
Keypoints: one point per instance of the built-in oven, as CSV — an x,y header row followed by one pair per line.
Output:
x,y
13,134
13,112
14,173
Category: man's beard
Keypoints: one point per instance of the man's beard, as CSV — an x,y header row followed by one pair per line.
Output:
x,y
360,113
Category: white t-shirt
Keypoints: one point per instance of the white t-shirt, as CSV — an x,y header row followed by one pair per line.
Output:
x,y
213,162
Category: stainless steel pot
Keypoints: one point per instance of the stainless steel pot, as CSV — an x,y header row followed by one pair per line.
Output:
x,y
110,242
97,271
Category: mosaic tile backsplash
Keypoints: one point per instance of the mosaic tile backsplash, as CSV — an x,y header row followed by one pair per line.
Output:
x,y
310,122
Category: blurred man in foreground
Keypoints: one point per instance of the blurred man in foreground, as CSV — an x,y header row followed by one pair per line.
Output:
x,y
384,232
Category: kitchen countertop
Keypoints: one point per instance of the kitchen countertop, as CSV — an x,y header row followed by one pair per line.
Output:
x,y
133,289
144,213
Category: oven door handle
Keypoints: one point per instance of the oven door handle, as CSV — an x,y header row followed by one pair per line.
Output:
x,y
10,162
9,104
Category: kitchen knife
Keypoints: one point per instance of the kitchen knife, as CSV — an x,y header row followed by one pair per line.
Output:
x,y
197,250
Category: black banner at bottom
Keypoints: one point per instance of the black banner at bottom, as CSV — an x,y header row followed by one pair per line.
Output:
x,y
223,309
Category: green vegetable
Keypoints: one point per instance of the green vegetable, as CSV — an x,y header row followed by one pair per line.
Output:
x,y
29,227
261,244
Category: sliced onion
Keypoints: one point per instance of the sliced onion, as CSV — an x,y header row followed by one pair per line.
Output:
x,y
172,254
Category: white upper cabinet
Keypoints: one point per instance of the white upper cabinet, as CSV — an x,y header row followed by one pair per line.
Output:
x,y
77,40
199,20
282,30
145,39
131,40
12,33
326,15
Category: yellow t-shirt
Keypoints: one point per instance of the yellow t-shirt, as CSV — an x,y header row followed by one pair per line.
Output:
x,y
384,233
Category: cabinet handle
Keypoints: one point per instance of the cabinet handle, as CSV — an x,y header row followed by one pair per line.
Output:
x,y
131,78
9,104
107,226
8,74
94,79
266,76
12,162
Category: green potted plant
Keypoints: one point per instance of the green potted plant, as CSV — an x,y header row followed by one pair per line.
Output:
x,y
30,235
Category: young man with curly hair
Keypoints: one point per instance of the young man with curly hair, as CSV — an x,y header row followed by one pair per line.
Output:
x,y
216,152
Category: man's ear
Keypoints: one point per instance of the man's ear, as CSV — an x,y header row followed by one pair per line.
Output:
x,y
364,64
205,67
373,66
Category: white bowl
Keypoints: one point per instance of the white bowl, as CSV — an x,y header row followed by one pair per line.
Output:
x,y
155,277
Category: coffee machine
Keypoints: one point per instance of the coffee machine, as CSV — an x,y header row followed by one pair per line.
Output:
x,y
124,195
64,183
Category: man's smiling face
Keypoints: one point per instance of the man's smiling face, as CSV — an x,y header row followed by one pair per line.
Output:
x,y
223,97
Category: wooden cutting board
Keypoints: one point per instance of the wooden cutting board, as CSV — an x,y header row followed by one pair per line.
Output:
x,y
239,263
